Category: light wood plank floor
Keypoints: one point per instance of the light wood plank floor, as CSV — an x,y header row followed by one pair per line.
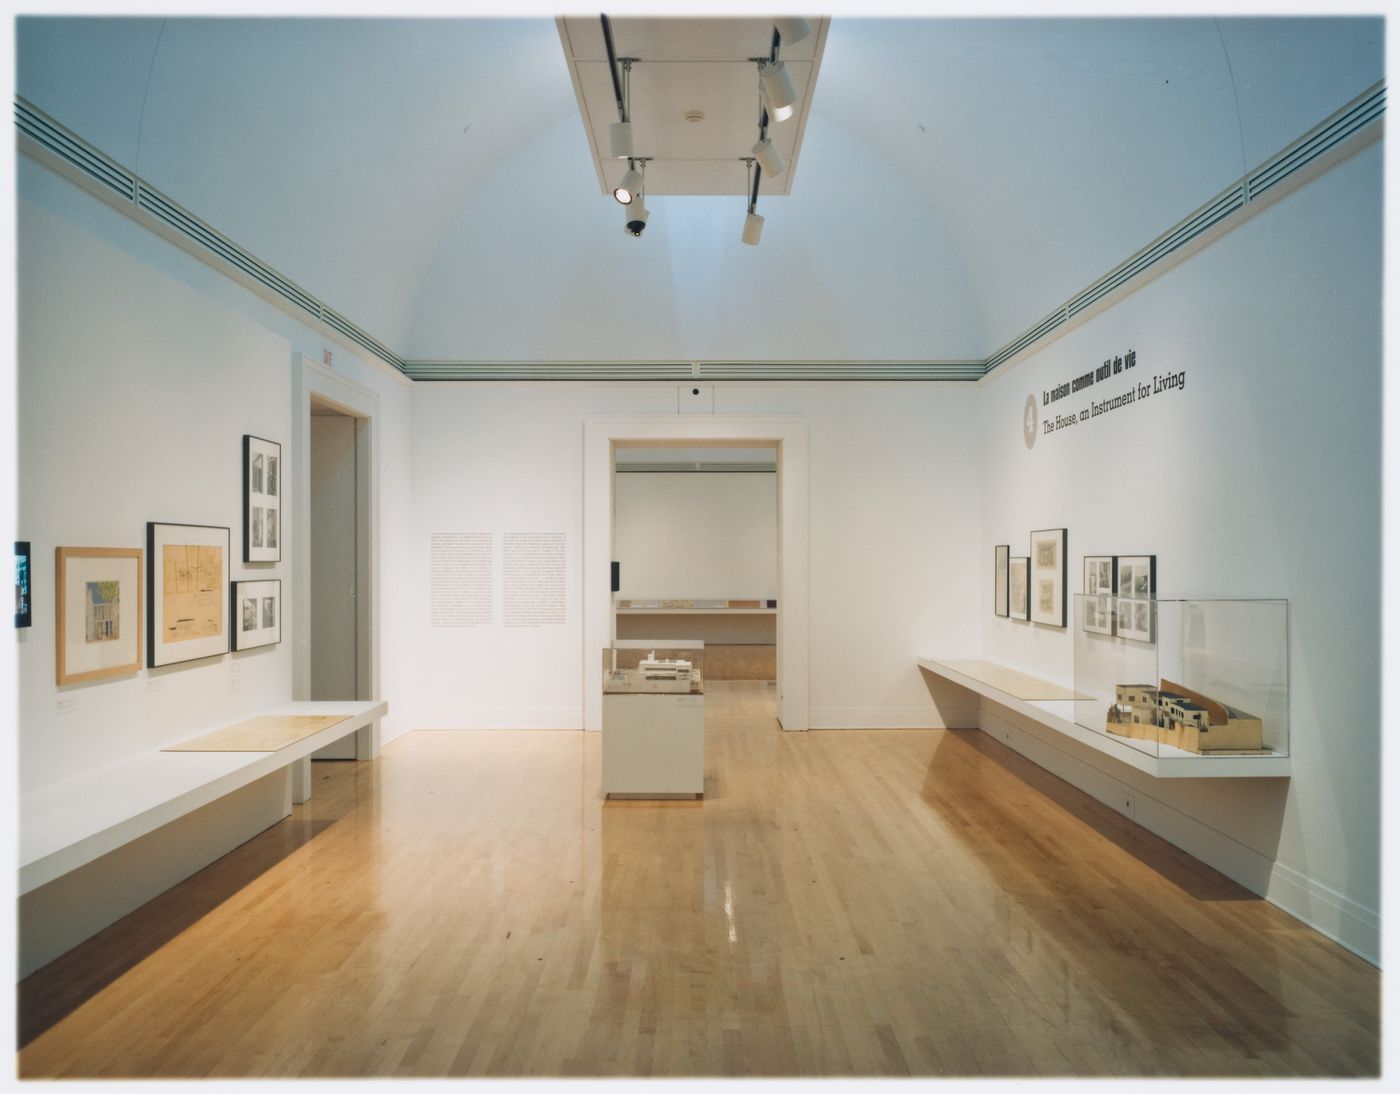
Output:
x,y
842,903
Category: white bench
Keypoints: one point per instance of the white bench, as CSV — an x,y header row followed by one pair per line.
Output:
x,y
71,824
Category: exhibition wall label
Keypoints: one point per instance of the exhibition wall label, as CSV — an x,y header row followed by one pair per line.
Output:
x,y
1132,393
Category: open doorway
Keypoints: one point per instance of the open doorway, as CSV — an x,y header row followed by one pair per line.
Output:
x,y
695,536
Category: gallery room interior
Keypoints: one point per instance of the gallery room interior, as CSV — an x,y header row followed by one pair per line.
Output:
x,y
755,545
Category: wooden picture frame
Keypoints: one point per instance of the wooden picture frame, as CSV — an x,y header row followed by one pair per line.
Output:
x,y
187,592
24,585
255,613
1018,573
263,479
1001,579
1049,569
97,613
1135,581
1100,589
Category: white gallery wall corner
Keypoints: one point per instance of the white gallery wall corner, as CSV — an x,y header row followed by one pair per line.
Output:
x,y
601,436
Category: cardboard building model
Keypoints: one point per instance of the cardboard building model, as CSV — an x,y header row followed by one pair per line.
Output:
x,y
1177,716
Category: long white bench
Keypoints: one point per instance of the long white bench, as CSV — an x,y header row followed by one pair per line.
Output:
x,y
71,824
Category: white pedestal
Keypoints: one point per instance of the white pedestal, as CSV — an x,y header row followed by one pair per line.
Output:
x,y
653,745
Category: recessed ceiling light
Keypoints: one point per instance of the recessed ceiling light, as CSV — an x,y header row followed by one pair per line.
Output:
x,y
694,116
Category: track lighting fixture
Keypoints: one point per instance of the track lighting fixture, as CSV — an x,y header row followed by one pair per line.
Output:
x,y
753,228
636,217
779,95
620,140
768,157
793,28
630,185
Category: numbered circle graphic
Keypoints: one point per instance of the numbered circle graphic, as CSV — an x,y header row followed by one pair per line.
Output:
x,y
1029,424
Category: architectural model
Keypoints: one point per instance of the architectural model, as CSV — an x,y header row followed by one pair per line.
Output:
x,y
1185,719
652,669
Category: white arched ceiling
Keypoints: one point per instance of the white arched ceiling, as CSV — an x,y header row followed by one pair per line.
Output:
x,y
430,179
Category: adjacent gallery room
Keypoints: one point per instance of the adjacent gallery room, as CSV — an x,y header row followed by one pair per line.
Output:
x,y
677,546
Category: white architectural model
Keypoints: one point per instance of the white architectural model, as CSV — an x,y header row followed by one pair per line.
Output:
x,y
652,669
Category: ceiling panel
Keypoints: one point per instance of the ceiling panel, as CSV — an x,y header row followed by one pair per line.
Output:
x,y
685,67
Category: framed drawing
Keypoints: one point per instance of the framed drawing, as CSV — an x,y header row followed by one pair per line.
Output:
x,y
1048,569
1099,588
1000,589
1018,580
256,611
1135,577
187,590
262,500
97,592
23,613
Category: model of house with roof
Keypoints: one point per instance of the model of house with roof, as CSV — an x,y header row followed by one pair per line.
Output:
x,y
1177,716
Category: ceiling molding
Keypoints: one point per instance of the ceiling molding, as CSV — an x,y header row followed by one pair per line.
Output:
x,y
1346,131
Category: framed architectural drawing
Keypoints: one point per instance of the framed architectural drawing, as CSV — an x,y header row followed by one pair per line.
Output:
x,y
1099,590
1018,580
23,593
1048,569
262,500
256,610
187,590
1001,591
1135,577
98,612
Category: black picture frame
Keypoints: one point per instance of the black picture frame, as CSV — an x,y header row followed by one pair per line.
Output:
x,y
1019,601
1135,583
164,646
1001,580
264,475
24,584
1049,578
265,619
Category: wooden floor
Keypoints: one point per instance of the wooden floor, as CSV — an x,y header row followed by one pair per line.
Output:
x,y
841,903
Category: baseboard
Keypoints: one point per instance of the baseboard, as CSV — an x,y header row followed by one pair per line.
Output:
x,y
393,726
1326,911
490,718
880,718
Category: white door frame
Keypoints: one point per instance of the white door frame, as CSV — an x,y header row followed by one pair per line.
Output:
x,y
311,378
789,436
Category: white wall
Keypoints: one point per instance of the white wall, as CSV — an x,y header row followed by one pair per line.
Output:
x,y
697,534
1261,478
118,326
506,457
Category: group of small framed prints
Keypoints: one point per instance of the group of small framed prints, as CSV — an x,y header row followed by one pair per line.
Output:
x,y
1119,590
1032,587
191,609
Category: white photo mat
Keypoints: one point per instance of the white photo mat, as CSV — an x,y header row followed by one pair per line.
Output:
x,y
264,480
1048,568
99,605
1019,581
256,613
1001,580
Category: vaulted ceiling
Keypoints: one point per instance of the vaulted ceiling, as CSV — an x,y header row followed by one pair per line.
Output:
x,y
432,179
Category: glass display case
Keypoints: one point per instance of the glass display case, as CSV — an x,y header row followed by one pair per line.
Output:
x,y
641,668
1200,678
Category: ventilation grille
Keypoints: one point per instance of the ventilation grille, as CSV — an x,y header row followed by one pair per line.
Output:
x,y
88,161
681,371
1321,139
96,165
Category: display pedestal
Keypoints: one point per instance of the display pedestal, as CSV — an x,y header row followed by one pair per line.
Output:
x,y
653,746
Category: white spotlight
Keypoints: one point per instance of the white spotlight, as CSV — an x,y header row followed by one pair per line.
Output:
x,y
778,93
753,228
636,219
625,190
620,140
792,28
768,157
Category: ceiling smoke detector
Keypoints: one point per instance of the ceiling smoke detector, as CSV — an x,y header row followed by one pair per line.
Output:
x,y
694,116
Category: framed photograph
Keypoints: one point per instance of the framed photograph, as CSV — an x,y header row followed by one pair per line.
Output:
x,y
1048,570
256,610
98,612
1099,587
187,590
1001,590
262,500
1135,579
23,594
1018,575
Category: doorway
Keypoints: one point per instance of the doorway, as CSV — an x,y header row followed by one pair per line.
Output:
x,y
695,540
